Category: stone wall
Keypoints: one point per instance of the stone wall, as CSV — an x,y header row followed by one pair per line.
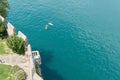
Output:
x,y
10,29
32,66
36,77
23,36
33,72
28,51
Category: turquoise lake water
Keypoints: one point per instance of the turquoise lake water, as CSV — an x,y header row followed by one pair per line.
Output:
x,y
83,43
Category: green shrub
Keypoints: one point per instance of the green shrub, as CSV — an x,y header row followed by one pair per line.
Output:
x,y
16,68
2,28
19,73
17,44
4,6
21,76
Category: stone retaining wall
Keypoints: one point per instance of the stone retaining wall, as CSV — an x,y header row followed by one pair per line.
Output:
x,y
10,29
32,66
23,36
28,51
33,72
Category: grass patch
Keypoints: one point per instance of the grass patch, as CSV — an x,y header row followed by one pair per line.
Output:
x,y
4,48
6,72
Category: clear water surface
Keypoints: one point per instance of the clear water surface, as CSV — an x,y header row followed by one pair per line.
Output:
x,y
83,43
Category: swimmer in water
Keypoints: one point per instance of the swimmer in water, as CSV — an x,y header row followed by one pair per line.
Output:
x,y
46,27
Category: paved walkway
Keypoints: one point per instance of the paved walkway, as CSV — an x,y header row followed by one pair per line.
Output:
x,y
21,61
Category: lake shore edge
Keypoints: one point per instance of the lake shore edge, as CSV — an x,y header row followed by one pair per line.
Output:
x,y
32,56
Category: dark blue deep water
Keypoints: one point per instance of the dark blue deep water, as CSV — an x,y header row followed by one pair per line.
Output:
x,y
83,43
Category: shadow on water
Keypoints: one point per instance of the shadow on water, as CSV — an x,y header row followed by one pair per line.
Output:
x,y
47,72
